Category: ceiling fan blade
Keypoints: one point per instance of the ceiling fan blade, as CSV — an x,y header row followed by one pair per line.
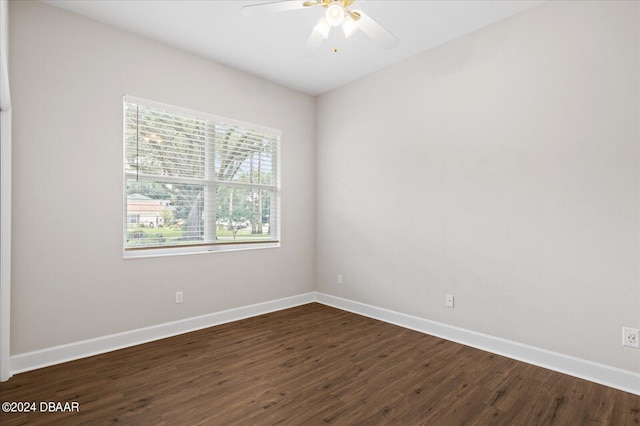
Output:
x,y
274,7
315,39
375,31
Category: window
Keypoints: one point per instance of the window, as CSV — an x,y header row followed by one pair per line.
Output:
x,y
195,182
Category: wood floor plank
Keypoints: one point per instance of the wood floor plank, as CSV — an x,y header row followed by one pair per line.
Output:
x,y
312,365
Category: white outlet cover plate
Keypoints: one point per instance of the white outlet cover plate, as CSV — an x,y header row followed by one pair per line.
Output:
x,y
449,301
634,342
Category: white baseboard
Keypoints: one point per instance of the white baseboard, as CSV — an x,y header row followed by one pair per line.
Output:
x,y
617,378
625,380
69,352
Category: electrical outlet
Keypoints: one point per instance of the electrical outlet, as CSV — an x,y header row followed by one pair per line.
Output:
x,y
178,297
449,300
339,279
631,337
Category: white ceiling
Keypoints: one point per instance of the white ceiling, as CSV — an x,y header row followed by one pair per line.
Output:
x,y
273,46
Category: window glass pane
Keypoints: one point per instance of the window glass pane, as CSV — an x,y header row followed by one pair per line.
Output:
x,y
243,155
164,144
160,214
243,214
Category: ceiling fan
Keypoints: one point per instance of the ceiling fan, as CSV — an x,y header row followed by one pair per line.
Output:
x,y
337,14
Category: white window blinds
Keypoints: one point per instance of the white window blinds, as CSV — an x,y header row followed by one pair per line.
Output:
x,y
194,179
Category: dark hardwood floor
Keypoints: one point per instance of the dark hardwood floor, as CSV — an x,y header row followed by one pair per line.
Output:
x,y
312,365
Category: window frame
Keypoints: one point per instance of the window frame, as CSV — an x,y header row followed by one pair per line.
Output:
x,y
210,184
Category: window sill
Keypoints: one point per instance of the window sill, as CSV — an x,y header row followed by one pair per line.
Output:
x,y
181,251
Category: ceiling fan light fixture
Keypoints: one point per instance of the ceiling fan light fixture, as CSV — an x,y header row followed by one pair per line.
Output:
x,y
334,15
349,25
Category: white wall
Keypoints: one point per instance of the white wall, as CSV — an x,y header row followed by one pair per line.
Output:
x,y
501,168
70,282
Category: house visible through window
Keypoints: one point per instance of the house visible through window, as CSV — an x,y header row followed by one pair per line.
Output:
x,y
196,182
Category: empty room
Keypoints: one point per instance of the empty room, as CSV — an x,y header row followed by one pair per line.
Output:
x,y
319,212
